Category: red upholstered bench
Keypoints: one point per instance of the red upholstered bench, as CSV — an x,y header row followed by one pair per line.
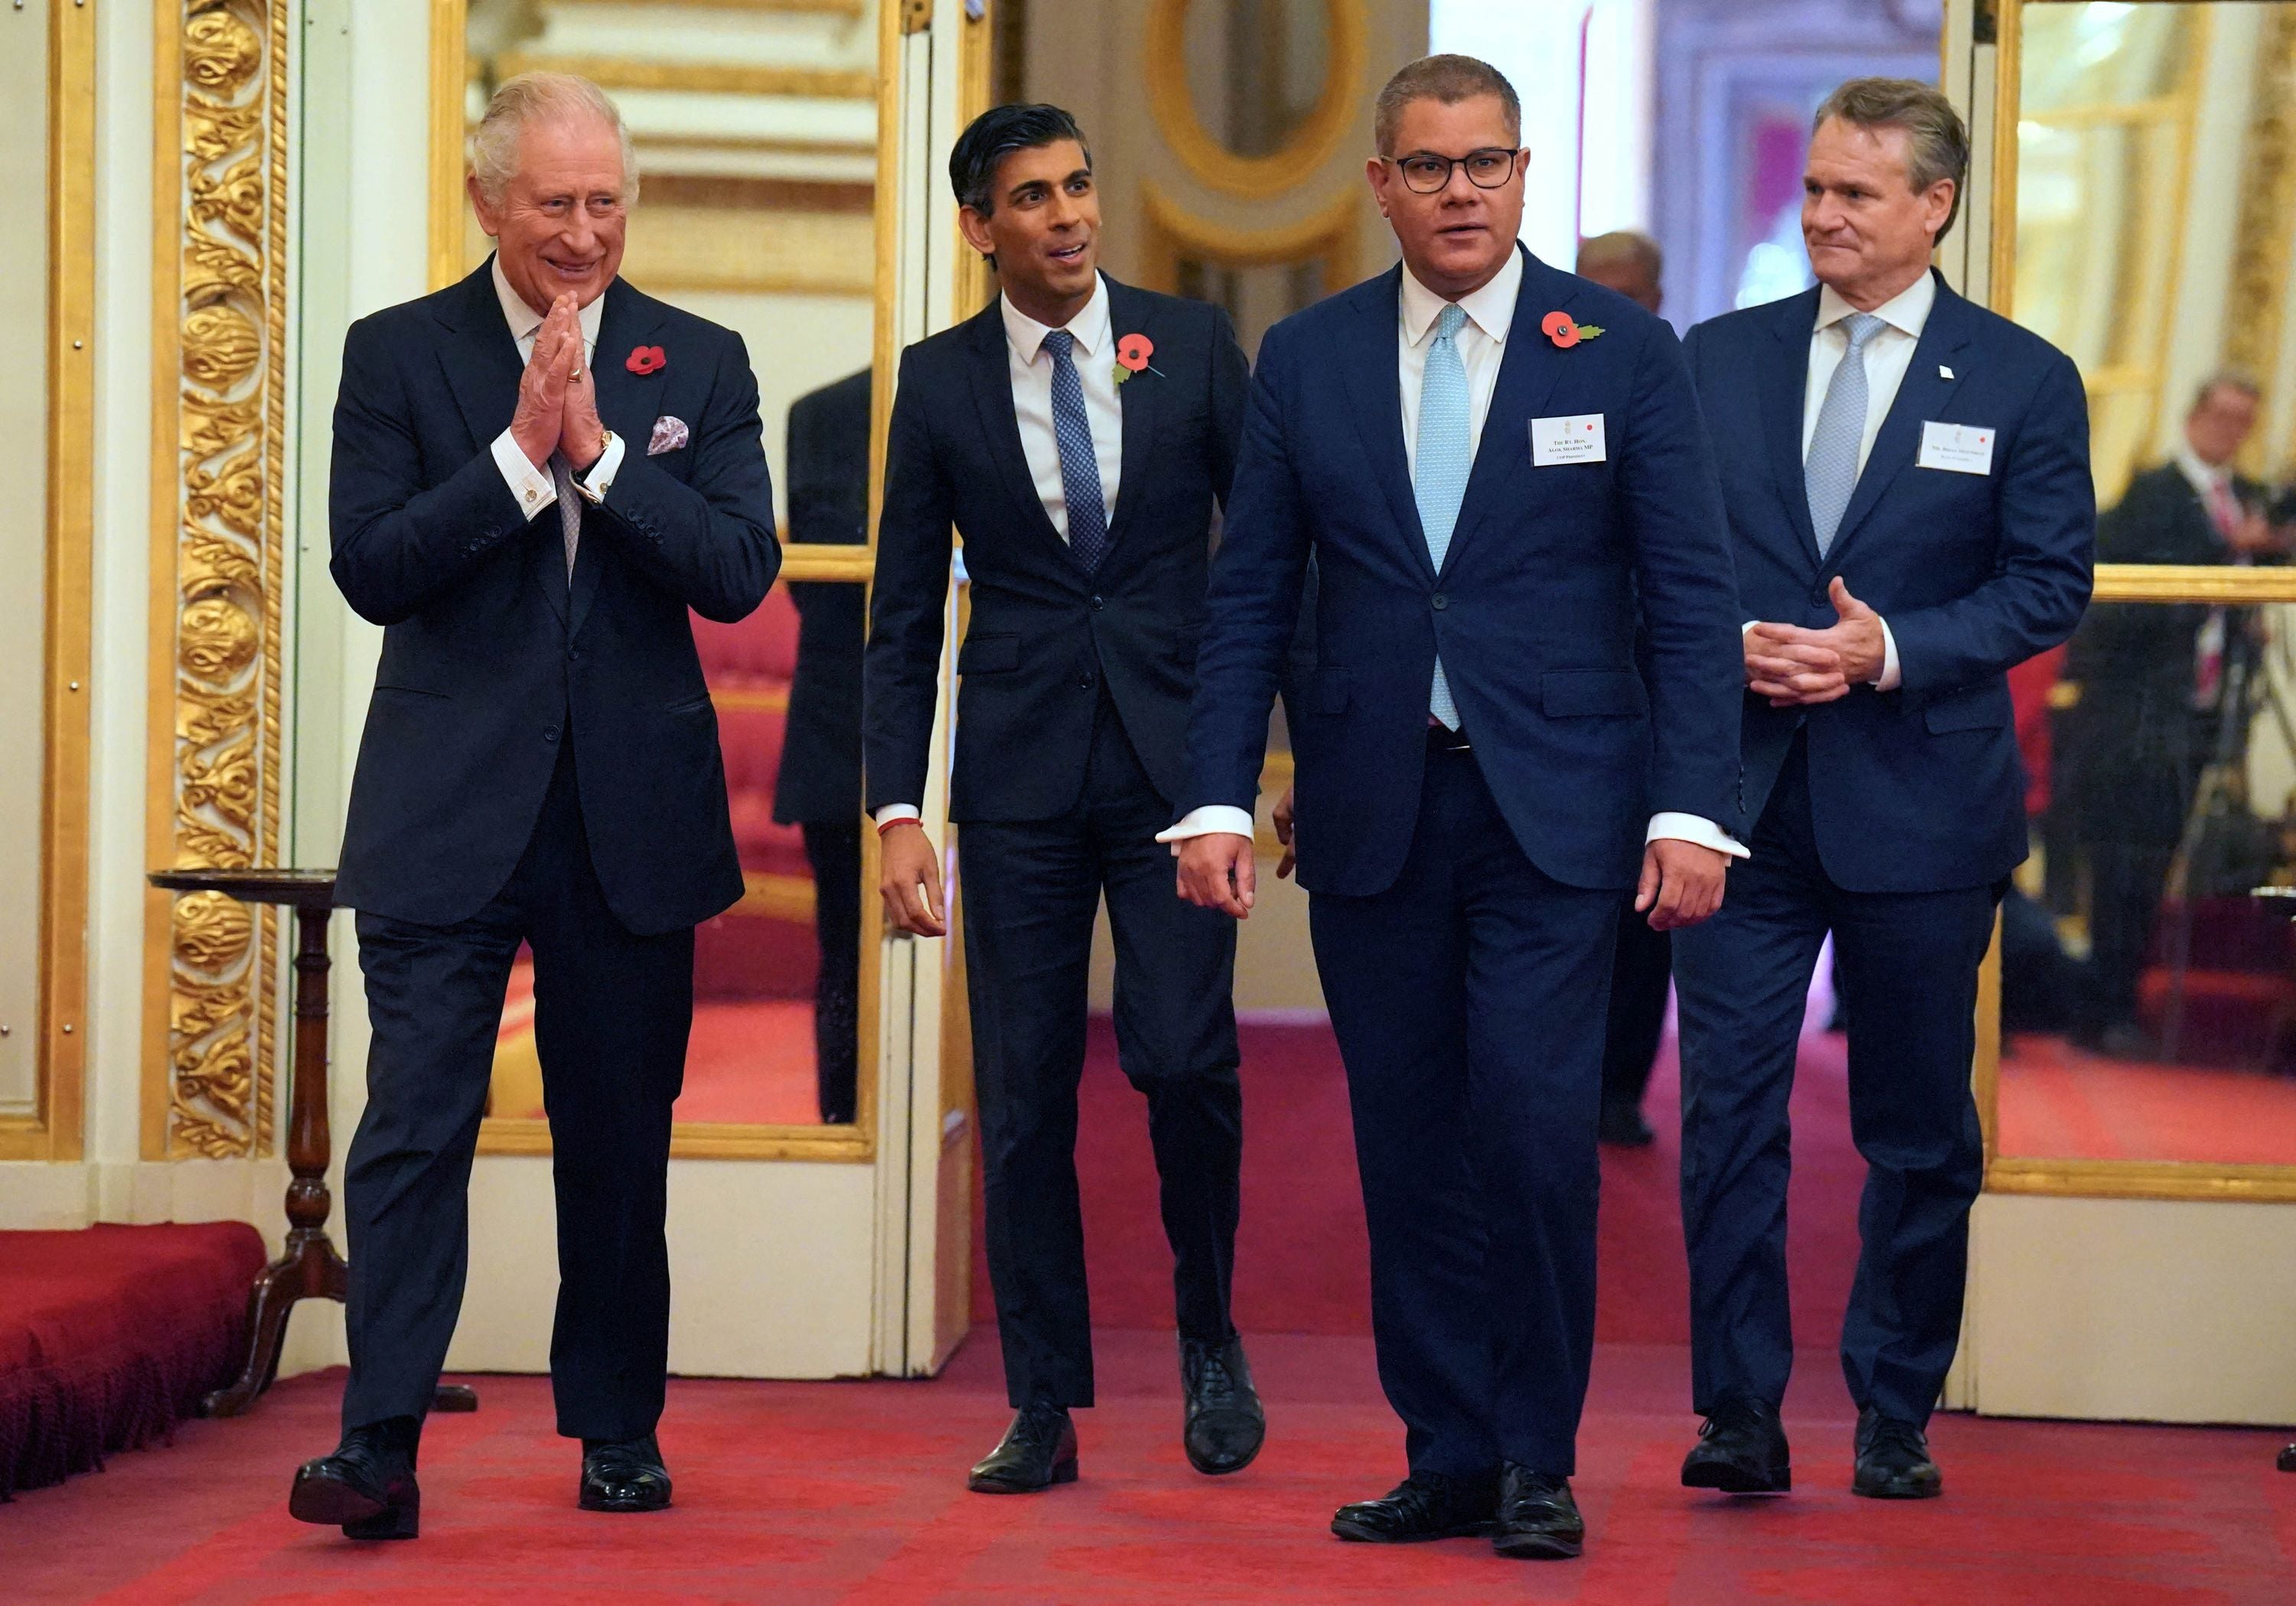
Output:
x,y
111,1335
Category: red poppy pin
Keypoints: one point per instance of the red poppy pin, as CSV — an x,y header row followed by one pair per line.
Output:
x,y
1132,354
1560,328
647,359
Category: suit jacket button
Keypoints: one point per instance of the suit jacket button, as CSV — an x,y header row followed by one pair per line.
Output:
x,y
1097,604
1084,683
549,732
573,654
1441,601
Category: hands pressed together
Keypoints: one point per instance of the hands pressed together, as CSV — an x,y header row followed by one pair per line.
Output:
x,y
1793,666
557,395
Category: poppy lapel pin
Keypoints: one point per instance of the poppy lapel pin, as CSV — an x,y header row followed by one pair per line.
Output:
x,y
1132,354
647,359
1566,332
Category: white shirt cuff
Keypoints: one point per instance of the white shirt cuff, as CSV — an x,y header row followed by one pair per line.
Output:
x,y
1887,681
1690,828
1211,818
594,485
532,486
891,812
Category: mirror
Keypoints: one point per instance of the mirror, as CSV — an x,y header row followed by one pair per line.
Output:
x,y
1256,69
2148,972
756,127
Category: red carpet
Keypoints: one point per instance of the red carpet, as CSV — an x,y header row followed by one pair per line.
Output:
x,y
837,1493
2059,1102
110,1336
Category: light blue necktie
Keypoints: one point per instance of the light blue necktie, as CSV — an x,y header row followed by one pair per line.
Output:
x,y
1829,474
1079,464
1445,459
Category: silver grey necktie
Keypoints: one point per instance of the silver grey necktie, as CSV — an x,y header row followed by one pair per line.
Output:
x,y
1829,471
570,507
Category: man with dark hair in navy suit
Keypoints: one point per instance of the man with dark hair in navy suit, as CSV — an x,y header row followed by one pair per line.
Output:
x,y
1499,471
1908,488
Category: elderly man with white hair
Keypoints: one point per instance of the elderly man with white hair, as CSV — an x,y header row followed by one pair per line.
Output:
x,y
538,473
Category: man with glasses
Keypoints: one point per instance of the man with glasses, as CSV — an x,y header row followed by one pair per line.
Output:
x,y
1498,470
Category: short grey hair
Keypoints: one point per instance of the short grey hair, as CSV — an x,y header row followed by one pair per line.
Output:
x,y
1448,79
1937,141
540,97
2226,379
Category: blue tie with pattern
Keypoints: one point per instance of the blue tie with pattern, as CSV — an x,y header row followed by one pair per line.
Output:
x,y
1439,483
1079,465
1829,474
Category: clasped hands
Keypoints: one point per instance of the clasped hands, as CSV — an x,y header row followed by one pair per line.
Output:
x,y
557,396
1795,666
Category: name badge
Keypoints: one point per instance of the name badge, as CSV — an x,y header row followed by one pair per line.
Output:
x,y
1957,448
1578,438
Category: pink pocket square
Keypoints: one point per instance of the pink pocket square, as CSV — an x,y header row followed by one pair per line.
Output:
x,y
668,435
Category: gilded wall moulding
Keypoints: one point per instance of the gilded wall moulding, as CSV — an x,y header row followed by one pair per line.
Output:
x,y
217,559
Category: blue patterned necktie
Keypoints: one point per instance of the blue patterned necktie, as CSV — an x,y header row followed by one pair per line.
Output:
x,y
1829,474
1079,464
1439,483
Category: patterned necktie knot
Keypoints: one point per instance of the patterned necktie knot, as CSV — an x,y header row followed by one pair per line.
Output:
x,y
1060,343
1860,327
1448,321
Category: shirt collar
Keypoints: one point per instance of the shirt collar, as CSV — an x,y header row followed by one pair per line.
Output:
x,y
2203,479
1491,309
524,320
1908,311
1089,326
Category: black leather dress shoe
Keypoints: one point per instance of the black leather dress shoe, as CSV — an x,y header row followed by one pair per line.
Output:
x,y
1425,1505
366,1487
1225,1425
624,1475
1623,1126
1893,1460
1538,1520
1742,1450
1037,1451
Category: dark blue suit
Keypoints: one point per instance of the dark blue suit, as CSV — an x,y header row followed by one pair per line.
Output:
x,y
1891,818
1465,904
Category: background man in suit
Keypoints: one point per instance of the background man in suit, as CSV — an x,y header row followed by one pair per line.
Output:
x,y
2151,681
818,786
1640,975
1076,432
540,764
1499,471
1880,426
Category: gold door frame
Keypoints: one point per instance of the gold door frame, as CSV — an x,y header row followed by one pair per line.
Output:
x,y
708,1140
53,1131
2115,583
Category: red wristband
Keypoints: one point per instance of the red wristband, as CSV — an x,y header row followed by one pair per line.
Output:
x,y
904,820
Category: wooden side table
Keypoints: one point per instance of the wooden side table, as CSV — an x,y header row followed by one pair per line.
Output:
x,y
309,1268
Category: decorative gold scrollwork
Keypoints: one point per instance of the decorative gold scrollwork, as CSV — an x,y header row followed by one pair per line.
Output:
x,y
222,783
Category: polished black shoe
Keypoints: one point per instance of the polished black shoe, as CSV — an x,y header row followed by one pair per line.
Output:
x,y
1893,1460
1538,1520
624,1475
1037,1451
1225,1425
1742,1450
366,1487
1425,1505
1623,1126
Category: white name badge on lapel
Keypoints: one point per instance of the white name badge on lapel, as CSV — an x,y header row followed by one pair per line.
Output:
x,y
1957,448
1578,438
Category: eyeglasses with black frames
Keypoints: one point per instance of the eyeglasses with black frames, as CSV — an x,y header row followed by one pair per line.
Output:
x,y
1424,173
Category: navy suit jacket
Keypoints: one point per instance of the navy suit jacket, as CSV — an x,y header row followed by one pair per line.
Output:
x,y
1919,789
490,658
1045,634
1533,611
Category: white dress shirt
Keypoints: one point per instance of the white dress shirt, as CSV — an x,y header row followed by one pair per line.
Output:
x,y
530,481
1888,355
1481,342
1030,366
